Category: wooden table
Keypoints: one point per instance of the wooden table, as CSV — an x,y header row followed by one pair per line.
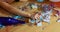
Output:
x,y
26,28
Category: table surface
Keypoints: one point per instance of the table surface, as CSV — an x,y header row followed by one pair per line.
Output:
x,y
52,27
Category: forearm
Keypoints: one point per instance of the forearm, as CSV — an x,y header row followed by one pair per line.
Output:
x,y
13,10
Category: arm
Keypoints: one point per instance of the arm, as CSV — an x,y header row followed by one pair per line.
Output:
x,y
8,1
13,10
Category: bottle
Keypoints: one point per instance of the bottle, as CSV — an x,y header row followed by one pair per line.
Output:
x,y
10,21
